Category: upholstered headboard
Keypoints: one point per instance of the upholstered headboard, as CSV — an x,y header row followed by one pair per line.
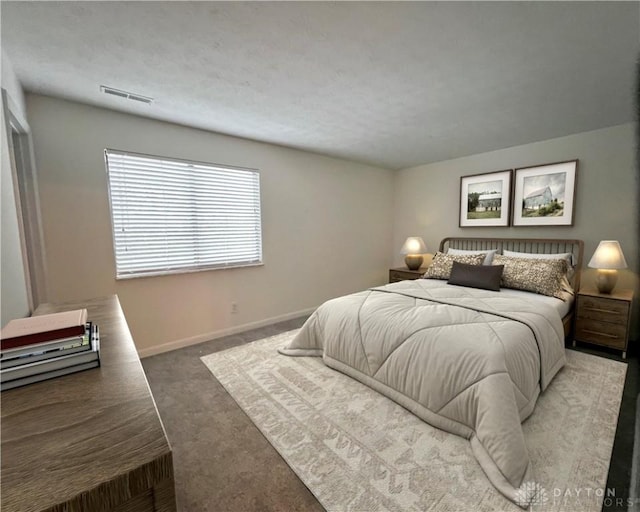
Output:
x,y
532,245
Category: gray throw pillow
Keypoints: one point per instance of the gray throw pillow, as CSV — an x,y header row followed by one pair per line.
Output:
x,y
486,277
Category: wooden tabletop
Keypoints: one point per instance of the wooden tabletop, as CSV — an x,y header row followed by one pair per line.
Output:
x,y
95,432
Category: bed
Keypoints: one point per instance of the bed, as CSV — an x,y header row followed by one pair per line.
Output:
x,y
530,245
469,361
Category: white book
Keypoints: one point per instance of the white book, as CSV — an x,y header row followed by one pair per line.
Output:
x,y
41,356
51,364
48,375
41,347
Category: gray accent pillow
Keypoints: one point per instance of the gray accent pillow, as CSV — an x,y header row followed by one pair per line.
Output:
x,y
486,277
440,267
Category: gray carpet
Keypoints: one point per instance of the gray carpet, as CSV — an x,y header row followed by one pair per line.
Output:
x,y
357,450
221,461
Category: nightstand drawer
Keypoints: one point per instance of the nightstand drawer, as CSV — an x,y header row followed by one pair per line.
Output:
x,y
399,275
605,310
615,335
603,319
403,274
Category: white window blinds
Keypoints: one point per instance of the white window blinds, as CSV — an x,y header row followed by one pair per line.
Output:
x,y
176,216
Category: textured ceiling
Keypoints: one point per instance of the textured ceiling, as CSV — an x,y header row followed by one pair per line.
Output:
x,y
393,84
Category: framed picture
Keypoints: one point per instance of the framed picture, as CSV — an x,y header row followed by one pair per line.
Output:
x,y
544,195
485,199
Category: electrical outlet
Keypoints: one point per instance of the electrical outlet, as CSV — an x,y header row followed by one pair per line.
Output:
x,y
234,308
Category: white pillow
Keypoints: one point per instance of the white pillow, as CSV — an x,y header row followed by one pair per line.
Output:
x,y
487,259
539,256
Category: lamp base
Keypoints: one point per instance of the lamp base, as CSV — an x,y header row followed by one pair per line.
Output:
x,y
413,261
606,280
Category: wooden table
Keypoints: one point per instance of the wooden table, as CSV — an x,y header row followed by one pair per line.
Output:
x,y
604,318
89,441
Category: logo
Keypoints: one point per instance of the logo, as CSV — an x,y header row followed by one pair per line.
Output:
x,y
530,493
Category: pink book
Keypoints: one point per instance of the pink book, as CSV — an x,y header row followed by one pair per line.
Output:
x,y
41,328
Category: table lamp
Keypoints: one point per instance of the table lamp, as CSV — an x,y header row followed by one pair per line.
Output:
x,y
413,249
608,258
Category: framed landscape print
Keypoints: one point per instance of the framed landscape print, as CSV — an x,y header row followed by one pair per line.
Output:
x,y
485,199
544,195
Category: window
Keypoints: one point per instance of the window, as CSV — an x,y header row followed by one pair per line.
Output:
x,y
179,216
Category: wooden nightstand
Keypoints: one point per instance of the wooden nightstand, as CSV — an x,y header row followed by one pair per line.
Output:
x,y
603,319
403,273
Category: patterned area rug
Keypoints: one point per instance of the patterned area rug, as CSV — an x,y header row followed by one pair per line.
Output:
x,y
359,451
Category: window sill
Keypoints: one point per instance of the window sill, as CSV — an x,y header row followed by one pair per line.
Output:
x,y
126,277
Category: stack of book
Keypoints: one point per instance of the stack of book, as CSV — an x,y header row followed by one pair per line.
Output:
x,y
47,346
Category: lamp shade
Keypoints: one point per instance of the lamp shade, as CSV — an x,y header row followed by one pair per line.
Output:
x,y
608,255
414,245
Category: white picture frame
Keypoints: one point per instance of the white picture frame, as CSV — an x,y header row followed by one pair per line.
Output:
x,y
544,195
485,199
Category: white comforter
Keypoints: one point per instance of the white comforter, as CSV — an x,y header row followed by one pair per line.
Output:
x,y
469,361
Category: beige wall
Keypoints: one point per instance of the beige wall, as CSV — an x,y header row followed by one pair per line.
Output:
x,y
427,196
14,301
327,225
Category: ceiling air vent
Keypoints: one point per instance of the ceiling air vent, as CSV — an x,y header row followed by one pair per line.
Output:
x,y
125,94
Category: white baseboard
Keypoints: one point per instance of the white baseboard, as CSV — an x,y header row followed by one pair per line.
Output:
x,y
207,336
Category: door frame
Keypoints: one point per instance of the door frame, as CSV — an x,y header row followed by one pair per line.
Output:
x,y
25,185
